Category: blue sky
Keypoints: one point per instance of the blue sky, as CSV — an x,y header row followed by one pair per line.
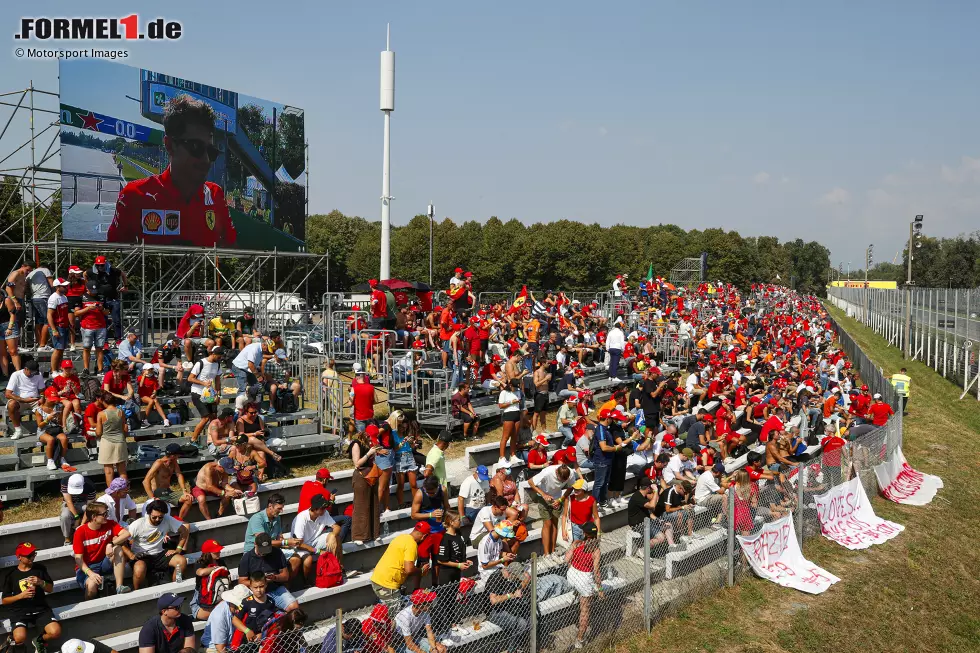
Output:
x,y
835,121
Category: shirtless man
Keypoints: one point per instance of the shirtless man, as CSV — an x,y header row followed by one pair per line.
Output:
x,y
213,479
158,479
778,452
430,328
219,433
16,288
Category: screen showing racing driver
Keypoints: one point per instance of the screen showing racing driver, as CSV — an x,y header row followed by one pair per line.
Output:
x,y
178,206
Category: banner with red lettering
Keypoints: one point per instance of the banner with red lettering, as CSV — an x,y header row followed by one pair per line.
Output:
x,y
775,555
846,517
902,484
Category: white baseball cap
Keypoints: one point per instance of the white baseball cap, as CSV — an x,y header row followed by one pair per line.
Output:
x,y
76,484
78,646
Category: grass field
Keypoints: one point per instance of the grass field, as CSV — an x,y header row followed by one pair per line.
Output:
x,y
131,172
917,593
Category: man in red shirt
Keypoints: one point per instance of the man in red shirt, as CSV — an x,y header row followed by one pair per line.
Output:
x,y
318,487
363,400
879,411
93,556
773,426
178,206
379,305
93,326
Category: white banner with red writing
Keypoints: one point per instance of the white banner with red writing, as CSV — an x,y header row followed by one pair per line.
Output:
x,y
775,555
902,484
846,517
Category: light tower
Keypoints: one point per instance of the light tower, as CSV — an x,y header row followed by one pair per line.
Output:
x,y
387,106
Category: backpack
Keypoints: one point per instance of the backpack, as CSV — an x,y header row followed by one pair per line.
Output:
x,y
132,412
73,424
181,407
328,572
91,389
212,586
147,453
174,418
286,402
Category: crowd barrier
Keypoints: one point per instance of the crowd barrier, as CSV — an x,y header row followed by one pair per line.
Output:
x,y
943,326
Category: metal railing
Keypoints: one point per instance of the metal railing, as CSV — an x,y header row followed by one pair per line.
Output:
x,y
943,327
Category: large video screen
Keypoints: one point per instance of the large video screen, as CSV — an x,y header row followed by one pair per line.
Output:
x,y
240,184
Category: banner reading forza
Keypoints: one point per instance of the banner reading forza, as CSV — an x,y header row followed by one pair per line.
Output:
x,y
775,555
151,158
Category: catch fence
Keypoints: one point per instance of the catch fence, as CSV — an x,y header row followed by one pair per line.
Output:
x,y
938,326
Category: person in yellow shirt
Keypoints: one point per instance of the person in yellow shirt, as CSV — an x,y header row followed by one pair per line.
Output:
x,y
221,328
397,564
903,384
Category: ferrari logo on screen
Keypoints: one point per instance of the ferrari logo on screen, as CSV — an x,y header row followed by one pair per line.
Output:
x,y
152,223
171,223
209,218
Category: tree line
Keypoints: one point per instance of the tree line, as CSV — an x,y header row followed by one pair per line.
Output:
x,y
562,254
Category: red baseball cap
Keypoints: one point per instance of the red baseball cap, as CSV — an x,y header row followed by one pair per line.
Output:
x,y
211,546
570,454
371,430
100,260
323,474
709,417
25,549
423,527
67,365
420,597
51,393
541,439
458,270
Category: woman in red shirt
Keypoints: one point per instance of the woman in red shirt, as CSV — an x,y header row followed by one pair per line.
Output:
x,y
584,574
537,457
116,381
69,385
580,509
147,386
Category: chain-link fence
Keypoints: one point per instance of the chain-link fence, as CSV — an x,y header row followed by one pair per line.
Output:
x,y
938,326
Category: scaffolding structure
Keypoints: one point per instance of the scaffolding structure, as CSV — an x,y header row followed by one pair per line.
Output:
x,y
154,271
688,272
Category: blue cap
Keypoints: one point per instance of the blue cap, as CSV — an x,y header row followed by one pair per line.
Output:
x,y
280,353
483,473
719,467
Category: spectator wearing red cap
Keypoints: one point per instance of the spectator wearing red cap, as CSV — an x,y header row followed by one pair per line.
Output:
x,y
24,589
56,317
209,568
397,564
414,624
603,448
108,281
537,456
74,293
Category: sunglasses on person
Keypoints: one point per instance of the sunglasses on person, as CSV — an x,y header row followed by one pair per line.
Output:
x,y
253,412
198,148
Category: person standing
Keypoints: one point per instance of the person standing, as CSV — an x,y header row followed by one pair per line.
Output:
x,y
397,564
435,460
247,365
24,589
92,322
16,289
615,342
902,383
108,282
41,281
603,447
111,429
206,373
56,317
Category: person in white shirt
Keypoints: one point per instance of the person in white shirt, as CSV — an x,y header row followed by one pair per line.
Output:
x,y
549,488
318,532
206,373
122,508
23,389
615,341
487,518
494,550
472,493
41,282
414,622
148,535
247,365
711,487
674,471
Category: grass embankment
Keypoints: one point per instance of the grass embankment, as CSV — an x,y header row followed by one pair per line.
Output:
x,y
918,593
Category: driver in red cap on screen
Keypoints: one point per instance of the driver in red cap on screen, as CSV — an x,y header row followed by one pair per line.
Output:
x,y
178,206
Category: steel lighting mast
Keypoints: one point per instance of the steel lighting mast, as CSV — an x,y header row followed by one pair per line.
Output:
x,y
387,106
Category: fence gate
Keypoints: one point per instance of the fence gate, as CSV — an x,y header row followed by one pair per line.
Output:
x,y
431,396
342,335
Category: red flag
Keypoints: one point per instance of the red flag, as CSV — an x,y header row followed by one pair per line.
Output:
x,y
519,301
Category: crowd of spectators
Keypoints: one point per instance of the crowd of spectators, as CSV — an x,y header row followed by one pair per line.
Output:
x,y
767,358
